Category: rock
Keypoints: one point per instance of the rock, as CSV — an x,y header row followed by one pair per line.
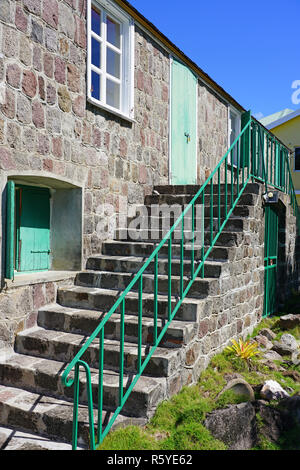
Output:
x,y
272,366
271,425
287,345
283,349
268,333
271,390
295,359
239,387
287,322
292,373
289,340
235,426
272,356
290,410
264,342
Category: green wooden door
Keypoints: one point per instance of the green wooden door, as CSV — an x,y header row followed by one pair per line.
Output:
x,y
270,260
183,125
33,229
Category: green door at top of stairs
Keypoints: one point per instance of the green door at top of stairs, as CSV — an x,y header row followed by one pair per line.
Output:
x,y
33,229
183,124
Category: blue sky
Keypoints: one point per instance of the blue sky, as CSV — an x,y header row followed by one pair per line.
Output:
x,y
251,49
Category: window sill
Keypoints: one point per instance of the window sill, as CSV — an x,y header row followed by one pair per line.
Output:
x,y
110,110
39,278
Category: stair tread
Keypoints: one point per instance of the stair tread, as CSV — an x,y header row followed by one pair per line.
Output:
x,y
46,415
56,308
148,276
132,294
77,339
142,259
54,367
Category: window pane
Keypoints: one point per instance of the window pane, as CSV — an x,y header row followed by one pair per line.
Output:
x,y
297,158
96,83
96,53
113,94
113,32
96,22
113,63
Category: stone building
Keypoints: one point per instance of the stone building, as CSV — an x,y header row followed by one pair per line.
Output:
x,y
92,120
55,134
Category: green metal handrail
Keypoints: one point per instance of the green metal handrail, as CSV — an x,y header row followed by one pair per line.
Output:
x,y
236,168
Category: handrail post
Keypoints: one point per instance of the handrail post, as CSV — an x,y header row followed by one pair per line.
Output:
x,y
140,326
155,307
121,359
100,384
169,277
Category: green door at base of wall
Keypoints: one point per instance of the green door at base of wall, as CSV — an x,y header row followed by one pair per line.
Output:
x,y
32,229
183,125
270,260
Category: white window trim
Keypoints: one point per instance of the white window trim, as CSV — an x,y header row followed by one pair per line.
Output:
x,y
127,66
238,115
296,147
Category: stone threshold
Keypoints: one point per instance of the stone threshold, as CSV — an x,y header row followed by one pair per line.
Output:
x,y
39,278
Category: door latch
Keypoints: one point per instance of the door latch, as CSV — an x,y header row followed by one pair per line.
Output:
x,y
41,251
188,137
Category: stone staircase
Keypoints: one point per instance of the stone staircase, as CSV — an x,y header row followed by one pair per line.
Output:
x,y
32,397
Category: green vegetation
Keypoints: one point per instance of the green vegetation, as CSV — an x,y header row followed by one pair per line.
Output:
x,y
178,423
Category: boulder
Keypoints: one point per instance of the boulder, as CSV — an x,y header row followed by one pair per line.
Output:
x,y
272,356
268,333
290,411
272,390
287,322
271,425
287,345
295,358
235,425
263,341
289,340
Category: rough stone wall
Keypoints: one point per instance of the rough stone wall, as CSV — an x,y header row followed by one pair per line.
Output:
x,y
212,131
47,125
19,307
48,128
237,306
288,279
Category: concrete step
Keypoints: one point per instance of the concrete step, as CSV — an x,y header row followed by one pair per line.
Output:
x,y
48,416
13,439
145,249
162,223
183,199
164,210
193,189
200,288
102,300
84,322
43,376
225,238
131,264
63,347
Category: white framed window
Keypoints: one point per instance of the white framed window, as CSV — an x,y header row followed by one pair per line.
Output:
x,y
234,129
110,62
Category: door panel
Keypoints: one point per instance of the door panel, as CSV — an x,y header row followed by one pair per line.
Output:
x,y
33,229
183,125
270,260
